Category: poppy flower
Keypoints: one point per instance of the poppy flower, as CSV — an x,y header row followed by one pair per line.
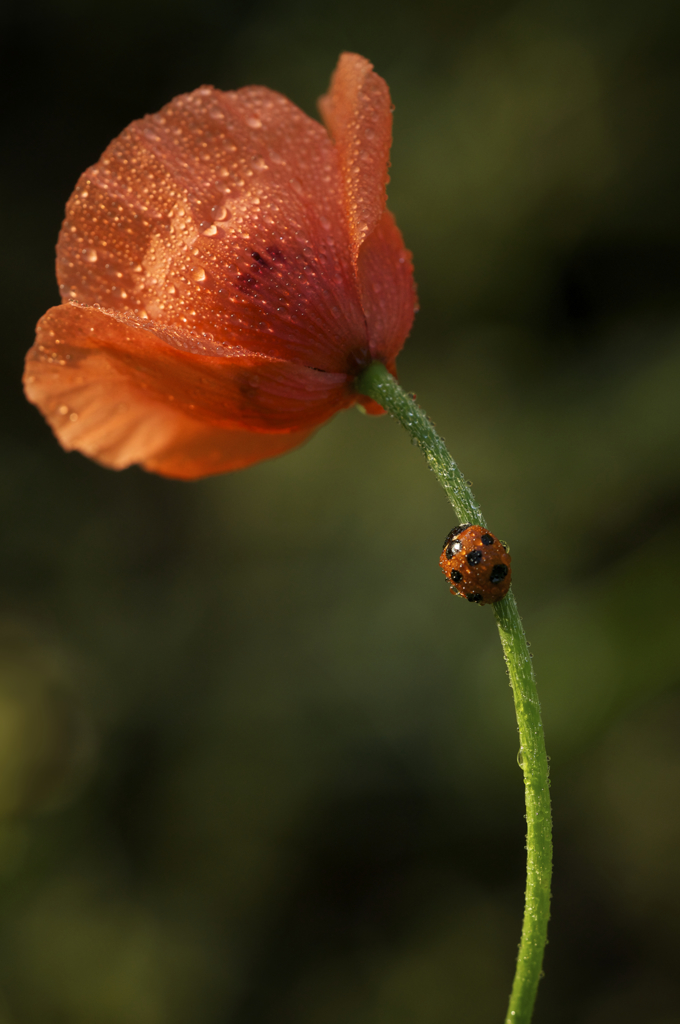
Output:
x,y
227,269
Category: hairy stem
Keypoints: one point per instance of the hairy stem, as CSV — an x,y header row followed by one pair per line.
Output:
x,y
376,382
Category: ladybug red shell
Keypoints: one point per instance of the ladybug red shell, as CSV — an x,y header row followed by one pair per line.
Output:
x,y
476,564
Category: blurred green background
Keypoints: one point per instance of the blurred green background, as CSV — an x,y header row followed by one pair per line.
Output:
x,y
257,766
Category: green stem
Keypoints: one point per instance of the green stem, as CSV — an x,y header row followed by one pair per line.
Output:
x,y
376,382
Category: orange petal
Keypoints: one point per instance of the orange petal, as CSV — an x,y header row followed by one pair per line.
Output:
x,y
114,389
358,114
225,212
198,450
388,292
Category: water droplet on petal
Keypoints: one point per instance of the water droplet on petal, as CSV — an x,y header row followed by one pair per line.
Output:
x,y
198,274
212,230
220,212
253,122
90,255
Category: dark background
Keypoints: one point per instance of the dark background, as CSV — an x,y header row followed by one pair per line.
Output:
x,y
257,766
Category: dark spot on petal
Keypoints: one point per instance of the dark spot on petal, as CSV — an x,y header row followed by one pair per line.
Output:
x,y
474,557
456,576
260,260
245,283
356,362
275,254
498,573
474,598
487,539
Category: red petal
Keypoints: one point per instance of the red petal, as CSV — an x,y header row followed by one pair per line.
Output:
x,y
197,449
224,212
388,292
358,113
372,407
120,392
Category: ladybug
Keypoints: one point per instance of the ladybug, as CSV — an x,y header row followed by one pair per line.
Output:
x,y
476,564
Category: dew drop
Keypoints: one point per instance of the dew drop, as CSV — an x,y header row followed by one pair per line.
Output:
x,y
260,164
73,417
198,274
63,409
253,122
220,212
90,255
212,230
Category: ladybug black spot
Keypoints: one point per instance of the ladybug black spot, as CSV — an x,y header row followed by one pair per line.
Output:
x,y
456,576
487,539
474,557
454,533
474,598
498,573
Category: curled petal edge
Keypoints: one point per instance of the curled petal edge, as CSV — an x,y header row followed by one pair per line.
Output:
x,y
120,394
